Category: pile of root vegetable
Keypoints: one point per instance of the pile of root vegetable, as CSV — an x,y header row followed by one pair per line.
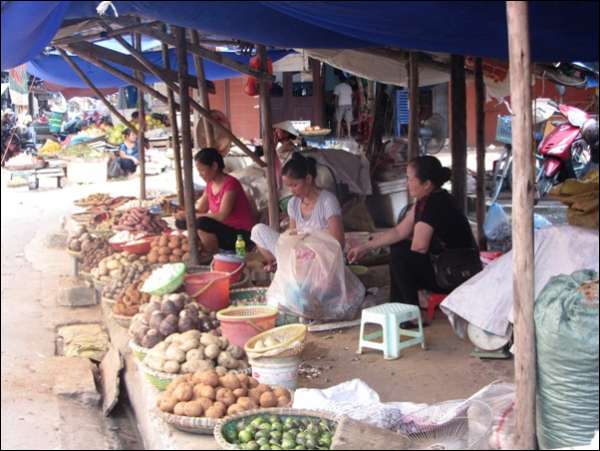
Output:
x,y
141,220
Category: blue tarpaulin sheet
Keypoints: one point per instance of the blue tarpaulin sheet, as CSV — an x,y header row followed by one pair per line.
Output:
x,y
559,30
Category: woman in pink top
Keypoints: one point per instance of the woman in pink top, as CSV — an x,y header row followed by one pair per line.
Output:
x,y
224,210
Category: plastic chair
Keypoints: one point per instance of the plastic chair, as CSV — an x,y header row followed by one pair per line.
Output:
x,y
389,317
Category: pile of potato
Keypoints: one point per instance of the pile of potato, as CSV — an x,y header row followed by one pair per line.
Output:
x,y
170,314
207,394
130,300
77,237
93,250
126,276
112,267
172,248
194,351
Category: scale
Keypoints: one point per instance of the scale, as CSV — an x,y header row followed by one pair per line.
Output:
x,y
488,345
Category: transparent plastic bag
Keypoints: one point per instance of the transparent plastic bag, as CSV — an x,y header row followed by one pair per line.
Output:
x,y
497,223
312,280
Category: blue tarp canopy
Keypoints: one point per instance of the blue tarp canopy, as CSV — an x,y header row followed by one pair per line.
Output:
x,y
559,30
54,68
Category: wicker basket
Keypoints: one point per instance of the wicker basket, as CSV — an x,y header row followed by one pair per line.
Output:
x,y
83,218
158,379
108,301
224,424
86,276
121,320
292,339
74,254
193,425
138,351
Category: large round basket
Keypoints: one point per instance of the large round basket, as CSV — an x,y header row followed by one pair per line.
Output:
x,y
86,276
248,296
138,351
291,340
105,234
122,320
160,380
74,253
194,425
226,424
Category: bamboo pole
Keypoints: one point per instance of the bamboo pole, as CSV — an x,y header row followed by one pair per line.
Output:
x,y
186,138
88,56
517,17
480,139
93,87
142,125
174,129
413,102
103,34
202,92
458,130
267,136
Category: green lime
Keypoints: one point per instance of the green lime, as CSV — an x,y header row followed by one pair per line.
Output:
x,y
257,422
250,445
288,443
265,427
277,426
262,441
300,447
276,435
245,436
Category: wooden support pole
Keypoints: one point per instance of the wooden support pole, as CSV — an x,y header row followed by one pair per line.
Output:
x,y
141,124
88,56
523,188
413,105
319,94
268,144
186,138
202,92
458,130
93,87
174,129
480,141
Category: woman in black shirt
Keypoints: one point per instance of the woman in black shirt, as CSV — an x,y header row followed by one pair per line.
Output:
x,y
432,224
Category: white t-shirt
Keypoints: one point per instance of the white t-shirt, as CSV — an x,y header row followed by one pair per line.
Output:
x,y
327,206
343,91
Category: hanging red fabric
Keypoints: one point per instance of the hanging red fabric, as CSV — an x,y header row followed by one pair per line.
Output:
x,y
251,85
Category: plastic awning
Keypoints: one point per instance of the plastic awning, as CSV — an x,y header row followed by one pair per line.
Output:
x,y
559,30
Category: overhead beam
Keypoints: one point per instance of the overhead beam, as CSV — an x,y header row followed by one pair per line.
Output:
x,y
212,55
101,35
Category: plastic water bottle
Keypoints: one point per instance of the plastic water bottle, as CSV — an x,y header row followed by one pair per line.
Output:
x,y
240,247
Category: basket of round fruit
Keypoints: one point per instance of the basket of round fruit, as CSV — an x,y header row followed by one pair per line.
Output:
x,y
196,402
279,428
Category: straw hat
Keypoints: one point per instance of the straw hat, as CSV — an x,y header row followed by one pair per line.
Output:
x,y
288,127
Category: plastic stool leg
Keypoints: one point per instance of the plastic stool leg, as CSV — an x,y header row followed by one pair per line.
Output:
x,y
391,338
360,337
423,344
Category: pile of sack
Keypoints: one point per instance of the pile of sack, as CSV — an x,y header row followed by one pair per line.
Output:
x,y
582,198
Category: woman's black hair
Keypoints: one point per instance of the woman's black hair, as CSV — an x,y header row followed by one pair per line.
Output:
x,y
208,156
430,168
127,132
299,166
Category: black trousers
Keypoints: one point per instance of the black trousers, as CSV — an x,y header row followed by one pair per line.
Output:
x,y
227,236
410,272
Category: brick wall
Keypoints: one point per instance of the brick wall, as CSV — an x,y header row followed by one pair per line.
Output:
x,y
243,109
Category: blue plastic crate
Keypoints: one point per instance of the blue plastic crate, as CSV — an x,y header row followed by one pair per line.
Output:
x,y
504,129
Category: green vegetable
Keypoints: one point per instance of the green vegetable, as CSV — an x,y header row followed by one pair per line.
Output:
x,y
245,436
276,435
262,441
288,443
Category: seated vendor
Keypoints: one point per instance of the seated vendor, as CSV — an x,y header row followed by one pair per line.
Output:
x,y
224,211
128,154
432,224
309,209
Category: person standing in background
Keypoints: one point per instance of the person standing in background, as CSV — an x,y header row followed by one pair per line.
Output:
x,y
343,106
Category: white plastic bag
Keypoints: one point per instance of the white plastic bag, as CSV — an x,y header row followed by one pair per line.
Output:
x,y
497,224
312,280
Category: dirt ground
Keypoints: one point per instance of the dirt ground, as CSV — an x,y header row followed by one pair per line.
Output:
x,y
443,372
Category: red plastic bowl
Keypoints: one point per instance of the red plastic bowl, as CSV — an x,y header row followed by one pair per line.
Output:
x,y
118,246
139,247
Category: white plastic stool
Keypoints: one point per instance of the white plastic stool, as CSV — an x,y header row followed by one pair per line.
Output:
x,y
389,316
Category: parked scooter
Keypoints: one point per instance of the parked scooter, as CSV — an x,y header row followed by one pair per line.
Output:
x,y
565,151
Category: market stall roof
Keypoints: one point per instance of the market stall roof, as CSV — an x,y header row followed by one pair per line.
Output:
x,y
55,69
560,30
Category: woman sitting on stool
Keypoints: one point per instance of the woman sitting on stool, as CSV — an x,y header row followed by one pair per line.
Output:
x,y
224,211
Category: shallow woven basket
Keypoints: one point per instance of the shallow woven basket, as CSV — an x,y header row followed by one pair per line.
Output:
x,y
222,424
248,296
86,276
82,218
246,312
74,253
106,234
292,339
121,320
158,379
193,425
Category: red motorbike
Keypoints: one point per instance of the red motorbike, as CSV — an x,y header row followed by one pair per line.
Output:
x,y
564,151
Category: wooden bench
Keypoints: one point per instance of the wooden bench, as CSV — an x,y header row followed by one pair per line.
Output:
x,y
33,176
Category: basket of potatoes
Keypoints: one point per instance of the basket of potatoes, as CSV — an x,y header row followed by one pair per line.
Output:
x,y
173,248
113,266
129,302
195,402
113,289
165,316
190,352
